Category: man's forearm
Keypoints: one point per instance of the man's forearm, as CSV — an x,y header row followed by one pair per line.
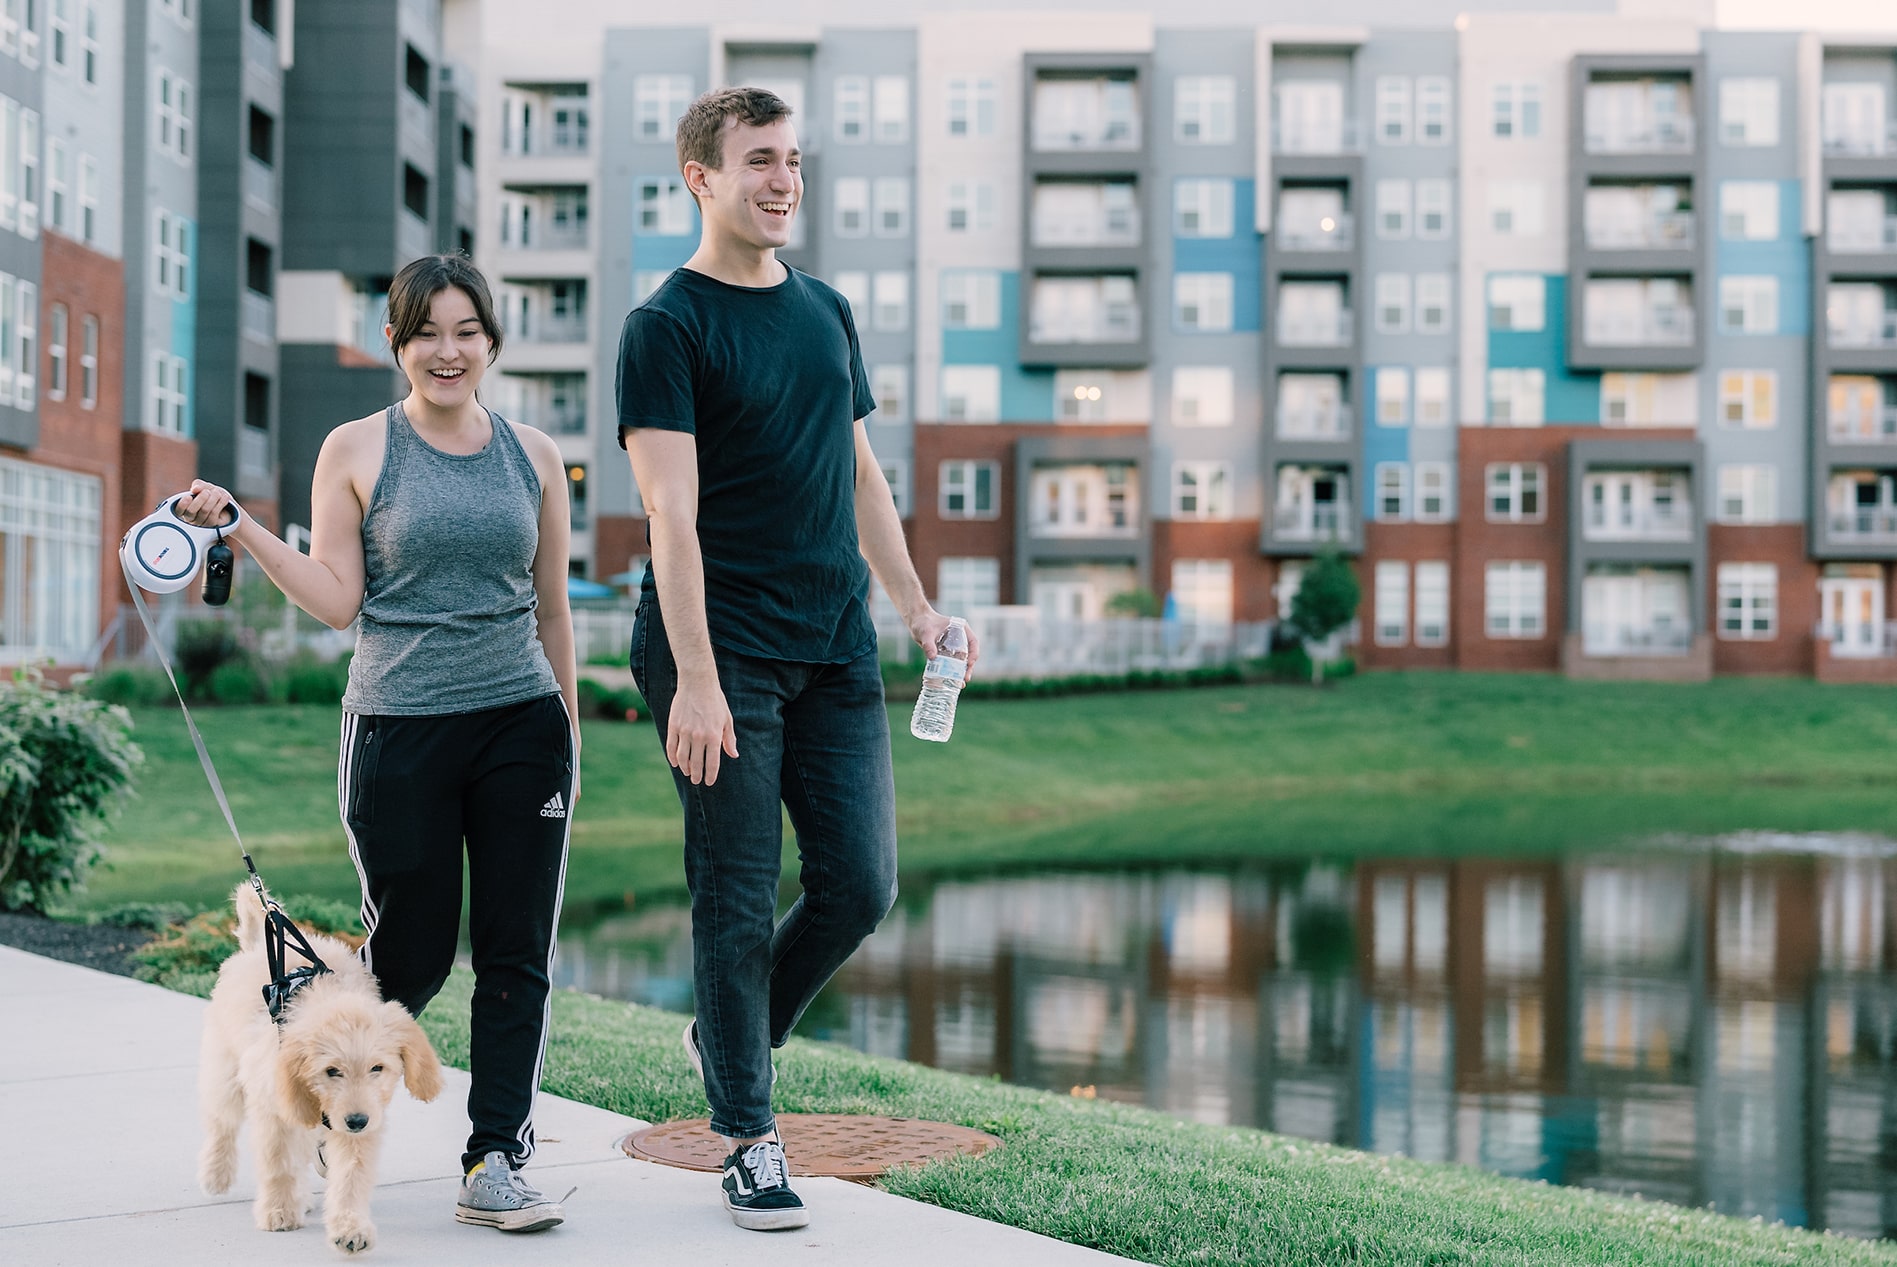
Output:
x,y
678,573
879,536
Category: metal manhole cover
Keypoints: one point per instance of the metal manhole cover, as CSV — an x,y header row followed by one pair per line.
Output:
x,y
836,1145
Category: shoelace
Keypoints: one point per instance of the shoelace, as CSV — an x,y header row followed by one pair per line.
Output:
x,y
765,1161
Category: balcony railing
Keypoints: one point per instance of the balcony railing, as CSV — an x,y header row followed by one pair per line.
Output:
x,y
1672,230
552,237
1663,327
553,330
1647,525
253,450
260,185
1672,135
1865,523
1881,333
1861,142
1331,423
1308,331
260,47
1305,521
570,421
1867,644
259,317
1862,239
1635,640
1339,138
1315,236
1865,426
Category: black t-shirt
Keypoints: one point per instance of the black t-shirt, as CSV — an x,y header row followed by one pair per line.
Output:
x,y
770,381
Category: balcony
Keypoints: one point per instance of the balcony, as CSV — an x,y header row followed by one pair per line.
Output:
x,y
260,185
1864,523
260,47
1857,331
1859,642
259,314
253,450
1647,524
1863,426
1652,327
1672,135
1328,233
1862,237
1312,521
1662,231
1082,310
1316,330
551,330
1085,114
1313,422
1340,137
1860,141
1603,639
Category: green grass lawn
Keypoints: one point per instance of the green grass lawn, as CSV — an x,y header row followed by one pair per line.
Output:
x,y
1384,763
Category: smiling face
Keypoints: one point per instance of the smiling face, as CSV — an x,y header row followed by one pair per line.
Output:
x,y
445,358
753,194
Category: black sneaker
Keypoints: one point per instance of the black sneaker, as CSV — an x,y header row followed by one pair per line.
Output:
x,y
757,1189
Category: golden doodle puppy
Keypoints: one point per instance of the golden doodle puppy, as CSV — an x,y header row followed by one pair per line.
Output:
x,y
326,1077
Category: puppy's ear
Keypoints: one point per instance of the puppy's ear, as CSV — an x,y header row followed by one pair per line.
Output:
x,y
421,1068
295,1060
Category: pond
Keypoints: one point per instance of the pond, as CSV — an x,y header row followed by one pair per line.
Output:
x,y
1704,1022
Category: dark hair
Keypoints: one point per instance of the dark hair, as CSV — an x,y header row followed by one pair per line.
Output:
x,y
701,129
415,288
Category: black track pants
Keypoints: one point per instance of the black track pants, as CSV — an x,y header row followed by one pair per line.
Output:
x,y
412,790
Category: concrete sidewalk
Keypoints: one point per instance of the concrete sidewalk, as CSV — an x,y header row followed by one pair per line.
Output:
x,y
98,1093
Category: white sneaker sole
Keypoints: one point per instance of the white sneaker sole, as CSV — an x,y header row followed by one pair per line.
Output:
x,y
766,1220
535,1218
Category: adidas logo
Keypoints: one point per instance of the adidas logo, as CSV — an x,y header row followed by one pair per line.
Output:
x,y
555,808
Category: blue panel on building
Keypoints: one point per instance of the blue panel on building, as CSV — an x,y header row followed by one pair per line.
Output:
x,y
1241,255
1381,443
1570,397
1786,257
1026,395
655,252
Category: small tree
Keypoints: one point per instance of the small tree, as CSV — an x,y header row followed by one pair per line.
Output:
x,y
1134,602
64,762
1326,601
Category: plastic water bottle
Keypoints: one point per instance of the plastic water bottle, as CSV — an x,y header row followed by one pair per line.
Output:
x,y
942,680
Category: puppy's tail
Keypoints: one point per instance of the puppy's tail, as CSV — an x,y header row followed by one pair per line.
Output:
x,y
249,917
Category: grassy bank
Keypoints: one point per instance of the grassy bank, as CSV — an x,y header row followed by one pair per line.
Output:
x,y
1384,763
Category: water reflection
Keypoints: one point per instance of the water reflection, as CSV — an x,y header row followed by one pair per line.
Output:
x,y
1708,1028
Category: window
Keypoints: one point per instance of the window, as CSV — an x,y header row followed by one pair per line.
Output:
x,y
1432,603
1432,209
1393,396
1748,305
1514,492
28,180
1202,590
971,206
1649,400
889,384
89,362
971,393
1748,111
58,185
1309,116
890,311
171,116
1202,208
1202,396
1084,310
1853,118
50,557
971,299
1513,599
970,490
1747,494
262,144
1432,492
166,404
1432,110
415,72
966,583
896,475
89,39
1432,396
971,106
1748,398
59,28
1098,500
1748,210
657,103
26,345
1517,111
56,337
1393,208
180,10
415,191
890,109
854,286
1083,395
1392,603
1748,599
1201,490
1202,302
852,108
88,199
1432,303
1085,213
665,207
1393,109
1516,397
1393,302
1393,492
850,195
1517,301
1515,207
892,207
647,280
1091,113
1203,109
171,260
1311,407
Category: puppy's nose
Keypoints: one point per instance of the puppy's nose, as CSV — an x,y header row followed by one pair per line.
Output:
x,y
356,1121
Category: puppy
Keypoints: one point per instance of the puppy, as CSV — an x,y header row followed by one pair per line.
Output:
x,y
325,1076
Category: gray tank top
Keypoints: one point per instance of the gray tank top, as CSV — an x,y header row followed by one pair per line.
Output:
x,y
448,545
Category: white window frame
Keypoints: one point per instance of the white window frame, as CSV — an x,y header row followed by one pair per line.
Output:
x,y
26,345
976,576
1748,111
1202,395
658,103
1393,209
889,384
166,400
1432,199
1748,399
853,285
1202,303
969,206
89,362
889,301
171,116
977,388
666,203
1391,593
1431,485
1390,493
1393,109
1434,116
1748,210
1432,603
889,109
1207,485
29,178
1515,111
1515,599
971,299
1515,208
1202,590
1523,296
850,109
1432,303
171,261
1513,484
1753,299
1393,396
971,106
961,478
1433,406
1393,303
1749,592
59,185
850,207
890,196
1202,207
1204,109
58,351
88,199
1747,494
896,475
59,33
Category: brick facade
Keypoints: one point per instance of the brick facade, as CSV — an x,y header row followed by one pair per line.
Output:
x,y
1790,651
1481,541
1409,543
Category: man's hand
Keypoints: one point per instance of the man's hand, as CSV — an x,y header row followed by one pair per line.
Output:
x,y
928,627
699,730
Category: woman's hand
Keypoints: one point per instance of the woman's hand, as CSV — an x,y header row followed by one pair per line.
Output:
x,y
205,505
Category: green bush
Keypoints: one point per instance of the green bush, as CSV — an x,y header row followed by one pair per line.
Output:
x,y
131,684
307,680
204,647
1092,683
1288,663
1136,603
65,761
238,682
611,702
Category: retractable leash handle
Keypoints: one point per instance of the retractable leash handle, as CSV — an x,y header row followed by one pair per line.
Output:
x,y
163,551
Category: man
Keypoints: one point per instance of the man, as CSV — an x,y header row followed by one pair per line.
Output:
x,y
742,396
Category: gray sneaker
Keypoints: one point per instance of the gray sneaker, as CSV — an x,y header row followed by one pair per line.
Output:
x,y
494,1195
690,1039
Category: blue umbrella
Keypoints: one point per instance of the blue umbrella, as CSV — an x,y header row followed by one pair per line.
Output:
x,y
580,587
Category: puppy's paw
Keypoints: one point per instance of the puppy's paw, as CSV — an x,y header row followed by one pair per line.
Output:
x,y
352,1237
279,1218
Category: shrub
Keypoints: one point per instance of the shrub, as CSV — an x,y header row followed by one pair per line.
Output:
x,y
1134,602
611,702
204,647
238,682
131,684
65,761
307,680
1291,663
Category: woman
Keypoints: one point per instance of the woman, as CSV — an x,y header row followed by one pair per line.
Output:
x,y
445,528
